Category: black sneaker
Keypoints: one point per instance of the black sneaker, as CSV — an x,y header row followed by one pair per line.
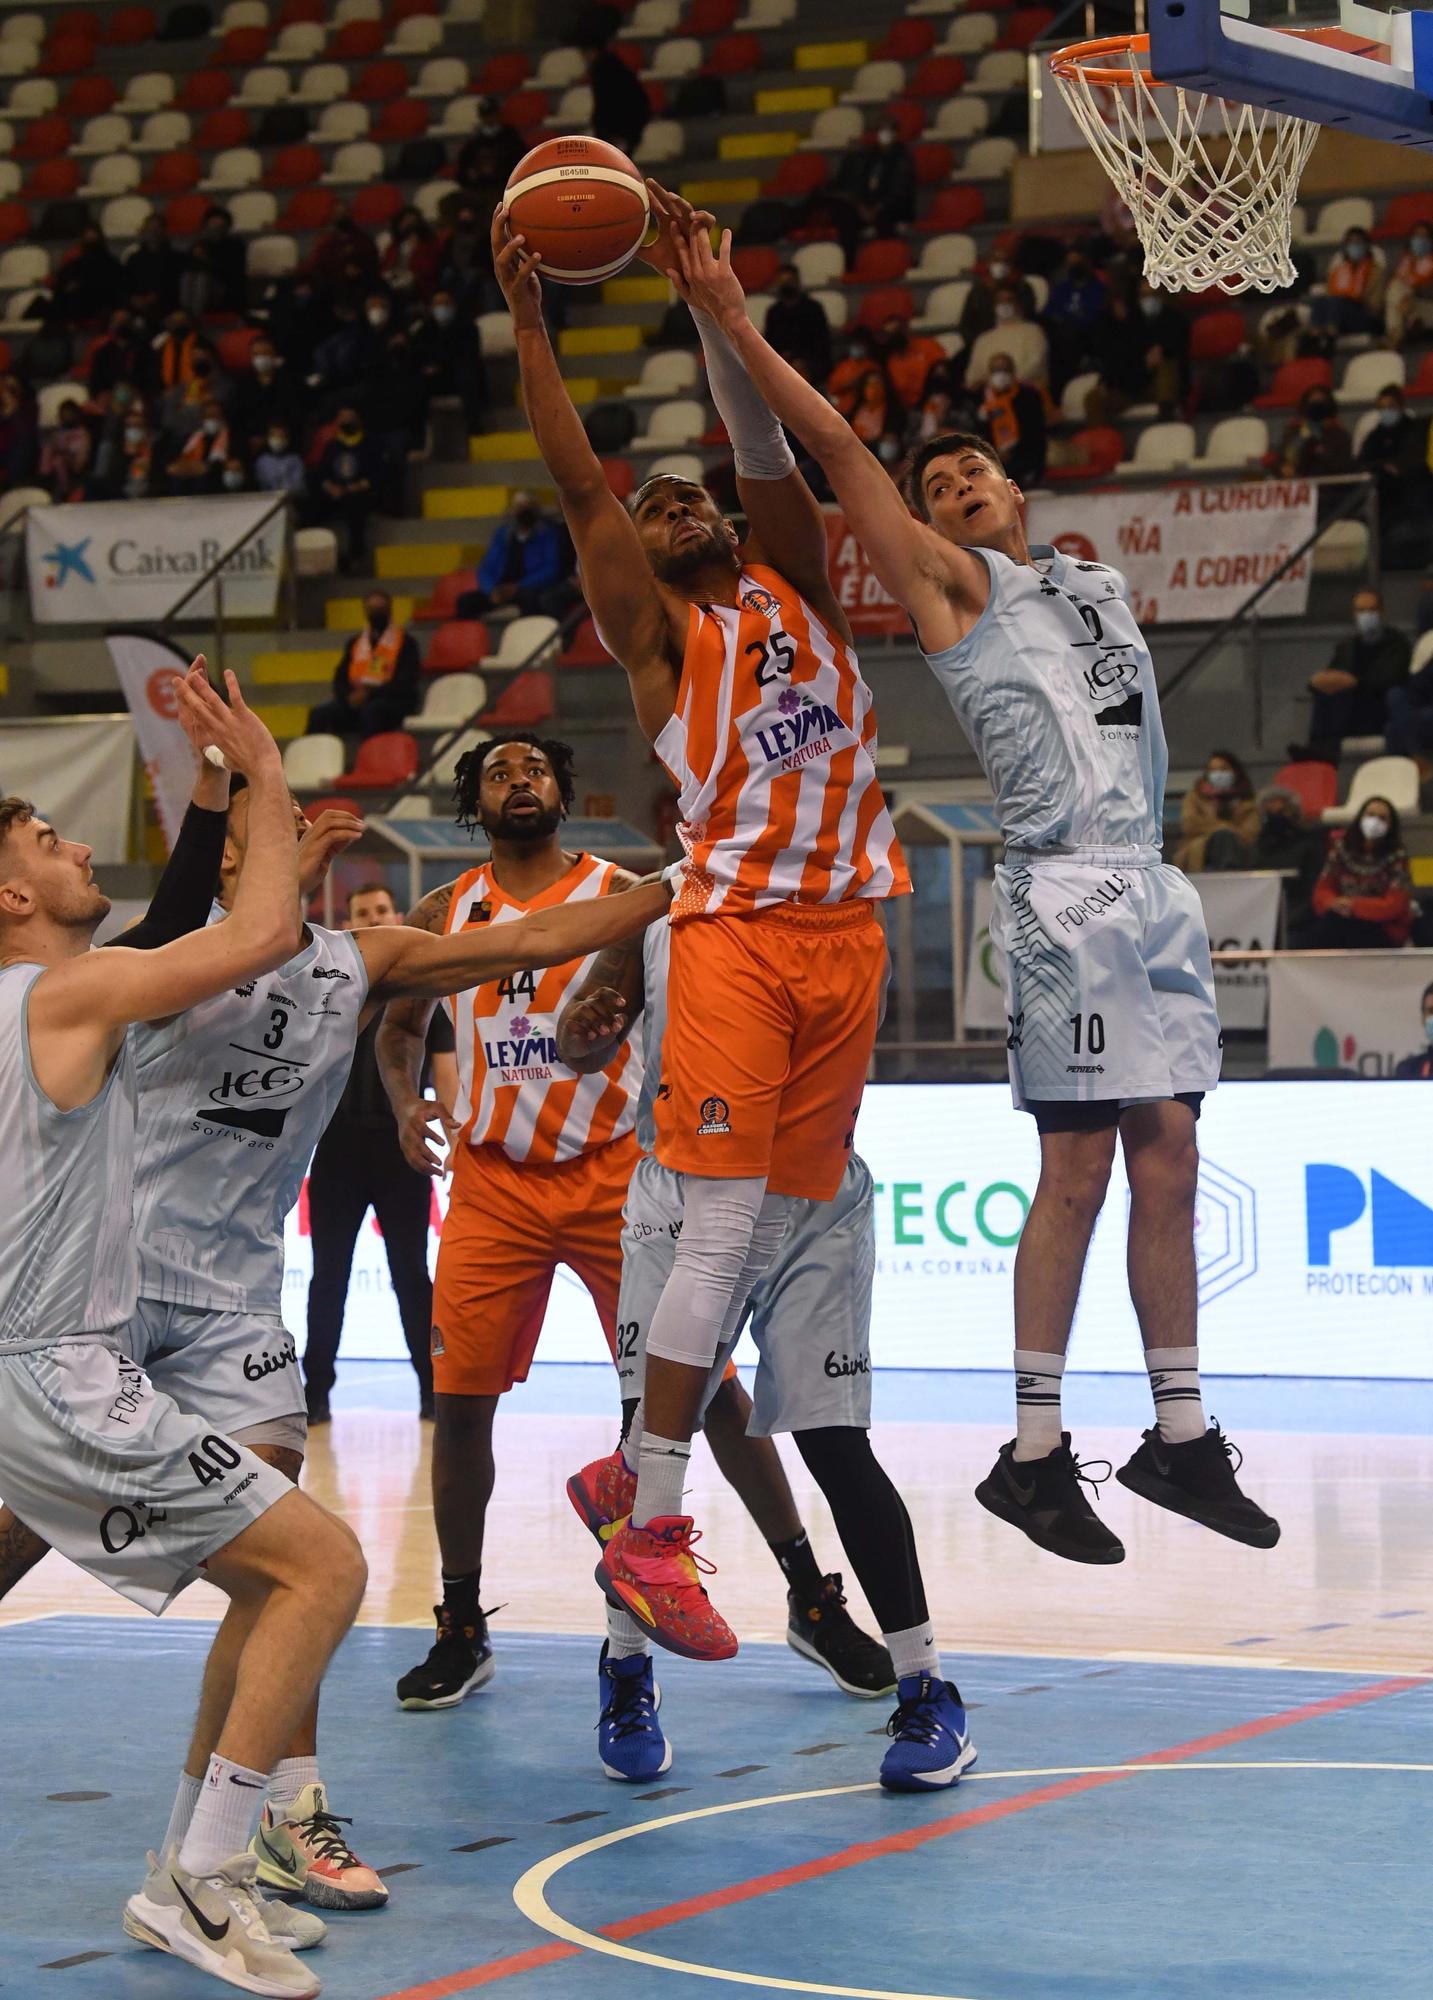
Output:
x,y
1196,1479
460,1661
319,1413
427,1414
1042,1497
827,1633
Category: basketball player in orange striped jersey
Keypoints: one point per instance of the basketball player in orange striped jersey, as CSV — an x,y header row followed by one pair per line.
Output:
x,y
744,679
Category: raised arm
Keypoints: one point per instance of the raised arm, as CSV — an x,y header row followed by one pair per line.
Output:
x,y
400,1046
616,577
186,890
599,1016
922,572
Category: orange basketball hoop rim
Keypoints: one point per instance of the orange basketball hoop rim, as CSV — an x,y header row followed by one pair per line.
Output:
x,y
1079,58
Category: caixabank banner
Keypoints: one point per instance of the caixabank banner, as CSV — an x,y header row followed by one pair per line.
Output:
x,y
1314,1238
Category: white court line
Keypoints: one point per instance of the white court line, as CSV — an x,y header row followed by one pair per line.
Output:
x,y
529,1891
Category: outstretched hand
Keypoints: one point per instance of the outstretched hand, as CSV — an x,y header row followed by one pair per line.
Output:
x,y
674,219
515,268
705,279
321,843
232,728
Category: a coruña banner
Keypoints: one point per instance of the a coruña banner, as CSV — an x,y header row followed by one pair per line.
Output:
x,y
146,666
1191,553
861,595
128,562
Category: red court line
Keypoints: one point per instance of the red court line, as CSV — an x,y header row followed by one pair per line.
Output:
x,y
904,1842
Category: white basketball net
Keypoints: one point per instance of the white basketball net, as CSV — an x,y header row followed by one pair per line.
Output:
x,y
1202,221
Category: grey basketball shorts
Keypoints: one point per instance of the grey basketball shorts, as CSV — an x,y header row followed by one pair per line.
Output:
x,y
240,1368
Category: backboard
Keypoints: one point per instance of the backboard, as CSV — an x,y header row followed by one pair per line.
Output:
x,y
1365,69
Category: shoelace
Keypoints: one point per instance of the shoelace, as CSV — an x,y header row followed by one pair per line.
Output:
x,y
916,1720
1083,1470
1231,1450
448,1630
680,1542
321,1831
632,1711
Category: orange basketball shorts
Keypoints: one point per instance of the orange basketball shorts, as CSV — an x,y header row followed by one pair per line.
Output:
x,y
771,1019
508,1228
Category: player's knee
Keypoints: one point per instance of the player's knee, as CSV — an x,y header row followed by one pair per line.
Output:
x,y
1167,1174
1078,1176
335,1570
463,1420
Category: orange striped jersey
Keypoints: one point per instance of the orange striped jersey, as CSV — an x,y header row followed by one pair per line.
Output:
x,y
772,746
512,1090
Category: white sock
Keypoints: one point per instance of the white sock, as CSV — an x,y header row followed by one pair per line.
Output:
x,y
224,1816
661,1475
913,1652
1038,1422
624,1635
290,1777
1174,1383
185,1800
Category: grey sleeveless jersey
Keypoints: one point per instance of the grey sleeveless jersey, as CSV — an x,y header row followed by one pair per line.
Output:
x,y
67,1264
233,1097
1055,689
656,953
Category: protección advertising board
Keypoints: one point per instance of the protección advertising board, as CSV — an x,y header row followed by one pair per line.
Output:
x,y
1314,1238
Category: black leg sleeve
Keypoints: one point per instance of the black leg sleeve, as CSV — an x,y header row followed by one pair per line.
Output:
x,y
872,1522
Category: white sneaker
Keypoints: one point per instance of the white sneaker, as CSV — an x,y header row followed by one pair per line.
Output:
x,y
215,1923
288,1925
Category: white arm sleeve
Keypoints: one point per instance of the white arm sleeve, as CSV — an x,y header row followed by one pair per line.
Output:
x,y
758,444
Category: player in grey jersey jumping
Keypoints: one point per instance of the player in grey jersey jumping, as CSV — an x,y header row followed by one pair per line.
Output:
x,y
1113,1034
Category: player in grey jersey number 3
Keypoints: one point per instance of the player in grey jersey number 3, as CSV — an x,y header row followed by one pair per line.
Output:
x,y
1113,1035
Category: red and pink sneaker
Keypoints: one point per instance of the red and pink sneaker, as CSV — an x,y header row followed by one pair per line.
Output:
x,y
652,1572
603,1493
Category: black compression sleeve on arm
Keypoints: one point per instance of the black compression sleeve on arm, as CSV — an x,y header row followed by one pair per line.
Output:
x,y
187,887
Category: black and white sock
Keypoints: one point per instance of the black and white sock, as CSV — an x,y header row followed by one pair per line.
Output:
x,y
1174,1384
1038,1423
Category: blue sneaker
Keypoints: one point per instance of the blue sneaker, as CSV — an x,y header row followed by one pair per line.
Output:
x,y
629,1737
931,1746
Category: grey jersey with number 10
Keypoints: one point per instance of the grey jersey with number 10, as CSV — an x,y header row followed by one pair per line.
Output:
x,y
1054,686
67,1264
233,1097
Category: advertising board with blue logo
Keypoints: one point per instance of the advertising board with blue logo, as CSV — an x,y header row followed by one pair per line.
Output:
x,y
1314,1238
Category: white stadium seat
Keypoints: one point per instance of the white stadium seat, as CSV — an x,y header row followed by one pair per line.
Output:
x,y
766,14
835,304
1075,395
663,140
678,465
150,91
124,217
666,374
112,173
1391,778
18,58
968,34
1367,374
338,123
448,700
989,160
875,83
268,84
495,331
834,129
23,264
243,14
1336,218
34,98
299,42
253,211
356,10
653,18
315,552
524,639
677,58
1002,69
49,399
442,76
960,118
559,68
943,307
574,109
445,770
164,132
418,35
321,83
1160,448
311,762
23,28
949,256
105,134
271,256
355,165
235,167
819,263
678,422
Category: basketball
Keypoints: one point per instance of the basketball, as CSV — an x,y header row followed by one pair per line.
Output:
x,y
581,205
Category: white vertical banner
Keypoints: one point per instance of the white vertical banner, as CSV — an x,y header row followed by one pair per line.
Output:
x,y
79,773
146,667
984,991
1356,1010
1242,913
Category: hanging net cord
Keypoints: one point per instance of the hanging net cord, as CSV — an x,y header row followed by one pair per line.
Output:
x,y
1201,221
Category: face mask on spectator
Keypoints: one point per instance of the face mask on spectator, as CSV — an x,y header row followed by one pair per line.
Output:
x,y
234,482
133,435
211,427
1319,410
1368,623
886,135
1355,250
1388,415
378,617
1428,1028
278,442
1149,306
1373,826
999,268
1000,380
1219,781
443,315
1420,244
377,316
265,364
888,450
203,369
1004,310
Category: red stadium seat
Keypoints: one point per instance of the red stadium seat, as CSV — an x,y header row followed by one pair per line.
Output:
x,y
71,56
174,173
1422,383
887,302
308,208
384,761
54,180
934,162
356,41
585,649
14,223
375,207
1214,336
631,53
1401,214
1292,379
880,262
127,27
89,96
184,215
1024,26
235,346
798,175
301,10
405,118
708,17
953,208
621,479
938,76
755,266
522,109
734,55
443,604
909,118
295,166
380,81
45,138
241,48
204,90
1099,450
6,357
528,698
457,645
228,126
404,10
907,41
1315,782
78,21
503,73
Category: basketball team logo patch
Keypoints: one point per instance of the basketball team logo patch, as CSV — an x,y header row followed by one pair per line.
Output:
x,y
715,1116
436,1350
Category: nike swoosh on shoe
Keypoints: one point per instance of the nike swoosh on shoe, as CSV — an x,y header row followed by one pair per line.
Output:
x,y
211,1931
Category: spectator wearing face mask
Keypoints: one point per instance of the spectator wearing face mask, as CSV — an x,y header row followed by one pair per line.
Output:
x,y
1351,692
410,258
123,355
987,282
1420,1064
139,474
1166,353
907,358
1289,847
1363,899
1015,336
1395,451
879,181
1352,301
947,405
1012,416
1219,821
235,478
448,353
181,407
520,565
344,487
375,683
199,466
278,467
65,453
797,326
875,409
1316,444
1410,290
859,355
264,395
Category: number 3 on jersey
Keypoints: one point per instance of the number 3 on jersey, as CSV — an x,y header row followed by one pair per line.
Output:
x,y
518,986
